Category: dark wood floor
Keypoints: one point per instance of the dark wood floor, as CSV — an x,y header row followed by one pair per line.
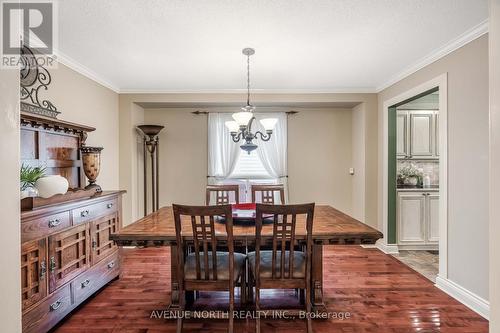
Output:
x,y
379,292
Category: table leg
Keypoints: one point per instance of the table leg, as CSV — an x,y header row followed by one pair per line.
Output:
x,y
174,284
317,279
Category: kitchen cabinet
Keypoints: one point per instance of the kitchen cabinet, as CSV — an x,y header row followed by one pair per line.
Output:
x,y
402,135
418,219
417,134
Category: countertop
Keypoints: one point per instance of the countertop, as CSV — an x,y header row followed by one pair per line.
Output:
x,y
433,188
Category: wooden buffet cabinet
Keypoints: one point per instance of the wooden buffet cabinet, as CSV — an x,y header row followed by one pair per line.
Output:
x,y
66,252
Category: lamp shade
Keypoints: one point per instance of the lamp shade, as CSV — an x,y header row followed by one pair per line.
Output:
x,y
269,123
232,126
242,118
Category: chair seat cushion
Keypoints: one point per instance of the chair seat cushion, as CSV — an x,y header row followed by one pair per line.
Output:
x,y
266,257
222,265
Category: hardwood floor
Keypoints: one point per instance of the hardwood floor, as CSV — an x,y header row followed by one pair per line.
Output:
x,y
380,294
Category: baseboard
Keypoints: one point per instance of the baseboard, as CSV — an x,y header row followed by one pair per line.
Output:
x,y
411,247
464,296
387,248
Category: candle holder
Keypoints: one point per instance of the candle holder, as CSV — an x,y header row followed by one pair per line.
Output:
x,y
91,160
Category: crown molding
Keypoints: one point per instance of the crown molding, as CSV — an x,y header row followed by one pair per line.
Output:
x,y
254,91
467,37
83,70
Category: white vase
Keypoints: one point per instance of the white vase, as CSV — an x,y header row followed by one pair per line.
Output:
x,y
51,185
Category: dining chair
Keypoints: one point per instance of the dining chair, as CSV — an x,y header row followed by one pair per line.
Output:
x,y
282,267
222,194
267,193
201,265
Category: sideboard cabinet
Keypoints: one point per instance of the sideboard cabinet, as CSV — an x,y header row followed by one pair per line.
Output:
x,y
66,253
66,256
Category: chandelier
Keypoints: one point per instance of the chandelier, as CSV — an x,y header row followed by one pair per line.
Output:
x,y
241,127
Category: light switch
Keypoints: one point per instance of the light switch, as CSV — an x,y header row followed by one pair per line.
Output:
x,y
351,171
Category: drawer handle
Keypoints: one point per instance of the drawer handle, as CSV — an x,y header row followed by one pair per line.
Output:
x,y
43,269
54,223
85,283
56,305
111,265
84,213
110,205
52,265
94,244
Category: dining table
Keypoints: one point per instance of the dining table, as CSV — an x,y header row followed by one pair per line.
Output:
x,y
330,227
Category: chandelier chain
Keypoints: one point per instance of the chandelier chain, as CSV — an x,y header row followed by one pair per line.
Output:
x,y
248,79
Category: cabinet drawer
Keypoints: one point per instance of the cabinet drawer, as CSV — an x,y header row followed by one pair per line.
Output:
x,y
43,226
42,317
94,278
90,212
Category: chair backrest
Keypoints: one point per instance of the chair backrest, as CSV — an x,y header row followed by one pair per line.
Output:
x,y
202,222
267,193
284,236
222,194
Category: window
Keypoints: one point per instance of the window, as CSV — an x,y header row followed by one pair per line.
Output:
x,y
249,166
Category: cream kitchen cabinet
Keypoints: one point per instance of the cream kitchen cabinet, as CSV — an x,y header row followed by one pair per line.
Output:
x,y
417,134
418,219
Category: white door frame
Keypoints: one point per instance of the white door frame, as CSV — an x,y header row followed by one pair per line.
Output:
x,y
442,83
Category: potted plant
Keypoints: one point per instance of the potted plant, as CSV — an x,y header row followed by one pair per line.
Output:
x,y
28,177
409,175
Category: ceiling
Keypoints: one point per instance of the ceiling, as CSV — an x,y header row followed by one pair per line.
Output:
x,y
301,46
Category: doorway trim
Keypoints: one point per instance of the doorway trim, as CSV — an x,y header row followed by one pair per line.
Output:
x,y
440,82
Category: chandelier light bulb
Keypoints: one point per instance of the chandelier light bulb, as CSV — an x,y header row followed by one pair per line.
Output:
x,y
269,123
243,117
232,126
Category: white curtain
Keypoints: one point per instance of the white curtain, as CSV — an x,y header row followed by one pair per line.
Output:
x,y
222,151
273,153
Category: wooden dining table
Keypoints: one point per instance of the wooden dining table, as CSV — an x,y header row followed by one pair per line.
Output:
x,y
330,227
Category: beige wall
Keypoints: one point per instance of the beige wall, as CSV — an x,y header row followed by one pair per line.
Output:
x,y
10,238
358,162
181,128
319,157
467,70
183,156
84,101
494,165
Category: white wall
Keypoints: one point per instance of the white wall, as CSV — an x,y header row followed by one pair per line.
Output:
x,y
10,237
494,231
468,181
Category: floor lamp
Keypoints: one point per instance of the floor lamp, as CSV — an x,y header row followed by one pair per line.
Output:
x,y
151,143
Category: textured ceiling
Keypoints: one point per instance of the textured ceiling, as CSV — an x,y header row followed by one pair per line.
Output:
x,y
315,45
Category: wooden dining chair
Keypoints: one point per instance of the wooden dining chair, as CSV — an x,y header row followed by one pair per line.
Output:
x,y
223,194
267,193
284,266
204,267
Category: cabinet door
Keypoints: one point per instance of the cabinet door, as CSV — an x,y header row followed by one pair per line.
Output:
x,y
421,134
432,205
436,133
411,218
100,230
402,134
33,272
68,255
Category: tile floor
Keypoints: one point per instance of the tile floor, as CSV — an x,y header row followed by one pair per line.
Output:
x,y
424,262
